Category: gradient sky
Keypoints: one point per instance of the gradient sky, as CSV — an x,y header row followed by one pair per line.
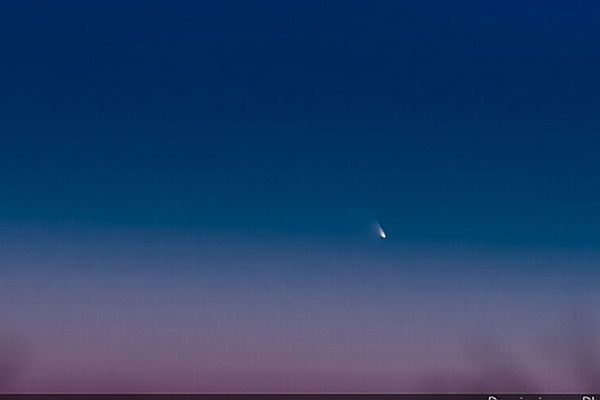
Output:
x,y
188,195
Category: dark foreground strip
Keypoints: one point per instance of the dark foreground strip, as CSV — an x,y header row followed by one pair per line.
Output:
x,y
486,396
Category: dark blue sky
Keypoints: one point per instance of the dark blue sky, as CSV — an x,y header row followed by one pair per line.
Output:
x,y
461,121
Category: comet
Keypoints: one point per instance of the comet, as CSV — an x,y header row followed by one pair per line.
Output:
x,y
380,232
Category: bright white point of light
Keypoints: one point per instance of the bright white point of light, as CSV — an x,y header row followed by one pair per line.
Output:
x,y
380,232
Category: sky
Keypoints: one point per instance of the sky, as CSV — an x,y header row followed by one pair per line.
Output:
x,y
190,193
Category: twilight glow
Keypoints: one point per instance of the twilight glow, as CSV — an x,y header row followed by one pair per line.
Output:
x,y
193,196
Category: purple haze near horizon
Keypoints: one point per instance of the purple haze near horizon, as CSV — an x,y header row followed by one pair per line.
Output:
x,y
166,311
